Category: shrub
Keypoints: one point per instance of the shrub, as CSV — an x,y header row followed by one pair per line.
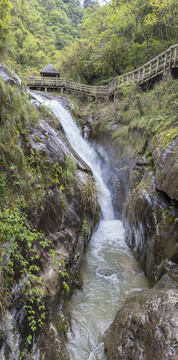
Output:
x,y
90,195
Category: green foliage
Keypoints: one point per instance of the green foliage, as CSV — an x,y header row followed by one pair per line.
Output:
x,y
85,227
90,195
68,173
45,110
5,19
62,272
113,38
20,256
25,171
28,174
119,37
16,113
39,29
150,114
20,259
3,186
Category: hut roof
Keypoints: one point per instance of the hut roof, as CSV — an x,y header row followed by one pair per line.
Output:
x,y
49,69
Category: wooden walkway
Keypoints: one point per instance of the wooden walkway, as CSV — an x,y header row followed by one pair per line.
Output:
x,y
157,66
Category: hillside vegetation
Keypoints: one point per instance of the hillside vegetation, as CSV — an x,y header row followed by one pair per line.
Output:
x,y
120,37
33,32
48,201
89,43
41,193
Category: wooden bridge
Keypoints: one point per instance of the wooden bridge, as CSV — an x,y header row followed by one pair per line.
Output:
x,y
157,66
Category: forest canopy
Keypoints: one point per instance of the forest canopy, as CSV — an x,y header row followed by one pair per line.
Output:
x,y
91,43
120,37
33,31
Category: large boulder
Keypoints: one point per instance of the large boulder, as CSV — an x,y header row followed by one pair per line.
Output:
x,y
167,170
151,227
145,328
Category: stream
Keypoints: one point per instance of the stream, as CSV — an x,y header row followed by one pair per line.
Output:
x,y
109,270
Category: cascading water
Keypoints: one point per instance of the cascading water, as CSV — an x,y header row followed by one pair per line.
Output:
x,y
109,270
84,150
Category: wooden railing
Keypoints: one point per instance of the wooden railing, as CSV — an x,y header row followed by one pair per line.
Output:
x,y
46,81
166,60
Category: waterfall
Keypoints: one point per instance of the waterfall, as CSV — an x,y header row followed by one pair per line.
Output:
x,y
84,150
109,270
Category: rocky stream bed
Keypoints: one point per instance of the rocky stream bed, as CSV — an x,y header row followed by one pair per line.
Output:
x,y
145,327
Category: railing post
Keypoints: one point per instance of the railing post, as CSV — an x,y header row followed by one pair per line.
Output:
x,y
150,69
157,65
170,58
175,56
165,60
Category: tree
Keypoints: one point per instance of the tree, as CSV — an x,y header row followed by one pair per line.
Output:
x,y
89,3
5,21
121,36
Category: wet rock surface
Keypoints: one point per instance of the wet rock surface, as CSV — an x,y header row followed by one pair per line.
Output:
x,y
8,76
47,140
146,193
145,327
151,229
167,171
62,226
151,213
67,103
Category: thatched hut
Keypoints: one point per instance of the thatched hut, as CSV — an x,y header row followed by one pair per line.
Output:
x,y
49,71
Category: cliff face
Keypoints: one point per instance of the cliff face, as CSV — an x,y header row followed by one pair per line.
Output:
x,y
41,189
151,211
65,223
145,327
139,134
